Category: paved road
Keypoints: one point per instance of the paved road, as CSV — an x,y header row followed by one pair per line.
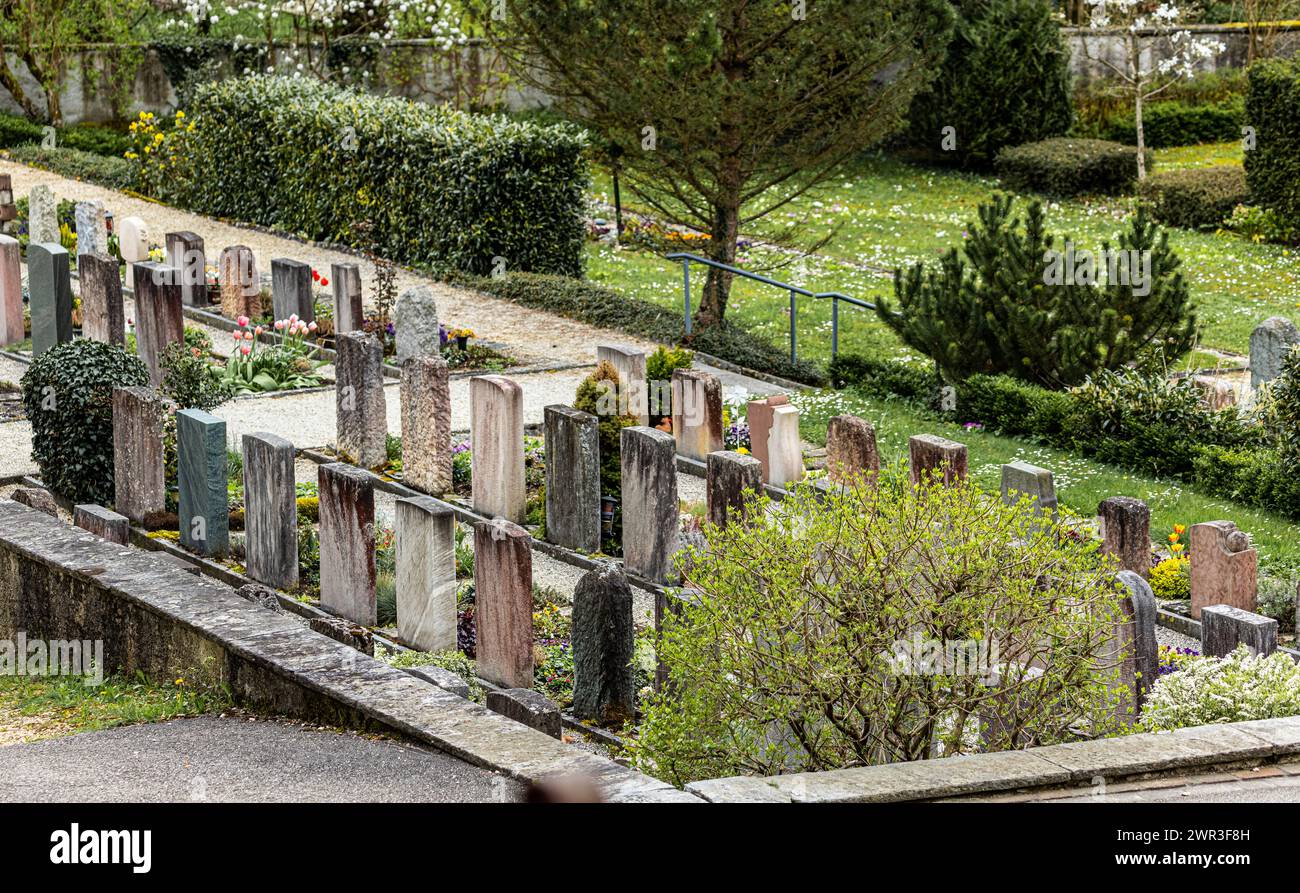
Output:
x,y
233,759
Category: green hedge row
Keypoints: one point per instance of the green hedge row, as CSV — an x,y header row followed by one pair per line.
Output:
x,y
1196,197
1167,124
1273,109
102,170
439,188
16,130
599,306
1065,166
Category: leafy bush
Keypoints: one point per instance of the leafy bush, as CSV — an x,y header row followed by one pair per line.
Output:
x,y
16,130
1101,103
750,652
1195,197
602,380
1065,167
1016,408
1263,225
1001,303
68,397
189,380
1172,578
95,139
1176,123
882,378
1277,599
1279,407
1259,477
1273,108
440,188
102,170
1235,688
1005,81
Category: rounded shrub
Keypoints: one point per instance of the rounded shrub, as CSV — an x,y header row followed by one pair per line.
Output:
x,y
1197,197
1172,578
68,396
1065,166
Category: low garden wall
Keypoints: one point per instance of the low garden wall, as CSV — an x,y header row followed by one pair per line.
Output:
x,y
1087,48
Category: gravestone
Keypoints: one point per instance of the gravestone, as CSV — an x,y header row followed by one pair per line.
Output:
x,y
937,456
1022,478
1269,344
426,573
102,314
159,315
12,328
347,542
105,524
1215,392
262,596
270,510
697,413
633,391
758,416
36,498
49,286
139,481
361,416
132,240
532,708
349,314
651,529
604,639
92,227
1141,610
851,450
349,632
185,253
291,292
503,603
1126,533
415,321
204,511
784,448
1224,567
42,216
426,425
572,478
728,476
1224,627
496,407
241,287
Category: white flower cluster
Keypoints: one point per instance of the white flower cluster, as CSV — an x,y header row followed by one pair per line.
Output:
x,y
1235,688
427,19
1182,50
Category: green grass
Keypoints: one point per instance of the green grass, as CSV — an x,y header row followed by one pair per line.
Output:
x,y
1080,483
891,213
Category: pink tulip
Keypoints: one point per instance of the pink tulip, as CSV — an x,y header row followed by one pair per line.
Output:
x,y
258,330
312,326
241,321
279,325
246,350
248,336
293,317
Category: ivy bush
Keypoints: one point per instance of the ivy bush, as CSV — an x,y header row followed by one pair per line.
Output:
x,y
1273,109
1065,166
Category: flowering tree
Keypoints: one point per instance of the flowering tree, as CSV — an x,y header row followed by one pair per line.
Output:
x,y
1158,51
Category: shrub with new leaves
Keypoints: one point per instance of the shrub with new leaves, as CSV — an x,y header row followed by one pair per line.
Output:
x,y
995,305
68,397
1235,688
786,653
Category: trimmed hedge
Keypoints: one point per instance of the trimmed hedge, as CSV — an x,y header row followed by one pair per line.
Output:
x,y
1065,167
599,306
102,170
1196,197
1167,124
1273,109
1255,477
16,130
440,188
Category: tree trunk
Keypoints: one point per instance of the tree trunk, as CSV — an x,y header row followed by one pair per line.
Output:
x,y
15,89
722,248
1135,57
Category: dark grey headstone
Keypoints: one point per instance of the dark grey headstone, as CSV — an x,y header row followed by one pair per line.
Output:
x,y
102,316
603,641
728,476
204,504
1224,627
528,707
1126,533
349,313
651,529
347,542
1269,344
139,480
1146,649
159,314
361,417
270,511
49,289
185,253
572,478
291,289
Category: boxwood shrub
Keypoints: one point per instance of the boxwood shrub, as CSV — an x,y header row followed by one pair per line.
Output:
x,y
440,188
1181,124
1065,166
1273,109
102,170
1196,197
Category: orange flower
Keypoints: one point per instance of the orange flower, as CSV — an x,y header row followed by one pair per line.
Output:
x,y
1180,528
1173,537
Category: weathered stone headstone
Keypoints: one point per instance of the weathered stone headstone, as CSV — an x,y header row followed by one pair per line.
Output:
x,y
349,314
415,321
758,416
426,425
784,448
49,286
1217,393
1269,344
291,289
270,510
42,216
572,478
1224,627
503,603
426,573
532,708
185,253
105,524
12,329
36,498
1126,533
262,596
361,417
241,286
851,451
697,413
938,456
139,481
159,315
349,632
1224,567
651,528
729,475
496,413
1020,479
92,227
347,542
604,638
132,240
201,475
102,314
1141,609
633,390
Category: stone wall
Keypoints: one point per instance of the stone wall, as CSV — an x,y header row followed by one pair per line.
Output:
x,y
1110,46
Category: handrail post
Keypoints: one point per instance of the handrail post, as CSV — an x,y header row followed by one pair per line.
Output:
x,y
794,351
835,326
686,292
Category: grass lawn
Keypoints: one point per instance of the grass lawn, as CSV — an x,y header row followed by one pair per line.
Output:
x,y
891,213
1080,483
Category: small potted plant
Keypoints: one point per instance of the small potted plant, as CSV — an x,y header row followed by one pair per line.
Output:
x,y
461,337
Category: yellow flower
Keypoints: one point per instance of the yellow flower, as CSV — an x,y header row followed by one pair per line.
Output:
x,y
1179,528
742,451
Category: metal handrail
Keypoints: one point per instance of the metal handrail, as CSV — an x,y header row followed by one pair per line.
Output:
x,y
794,291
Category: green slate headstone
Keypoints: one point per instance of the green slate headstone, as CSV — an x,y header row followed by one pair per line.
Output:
x,y
204,517
49,283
